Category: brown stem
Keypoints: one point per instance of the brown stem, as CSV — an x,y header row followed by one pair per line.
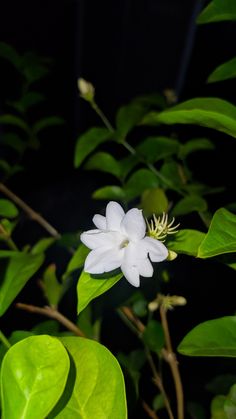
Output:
x,y
29,211
7,238
53,314
133,319
151,413
171,359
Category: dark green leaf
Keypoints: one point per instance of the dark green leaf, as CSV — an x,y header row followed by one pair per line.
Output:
x,y
223,72
208,112
42,245
189,204
10,54
110,192
218,10
197,144
211,338
174,173
153,336
186,242
35,371
90,287
127,164
154,201
153,149
27,101
217,408
88,142
48,122
221,384
8,209
33,67
8,119
140,181
51,286
127,118
104,162
14,141
221,237
158,402
196,411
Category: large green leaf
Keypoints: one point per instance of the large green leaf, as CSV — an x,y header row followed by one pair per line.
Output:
x,y
221,237
218,10
186,242
90,287
8,209
88,142
110,192
77,259
223,72
140,181
211,338
196,144
104,162
20,268
189,204
127,118
207,112
99,390
154,201
153,149
33,377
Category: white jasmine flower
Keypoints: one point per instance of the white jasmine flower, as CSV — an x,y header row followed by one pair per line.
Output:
x,y
120,242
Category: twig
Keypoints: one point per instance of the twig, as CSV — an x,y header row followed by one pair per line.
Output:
x,y
4,340
132,318
29,211
151,413
7,238
170,358
53,314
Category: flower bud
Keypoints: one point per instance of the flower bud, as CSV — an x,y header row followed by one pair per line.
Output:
x,y
86,89
171,255
153,305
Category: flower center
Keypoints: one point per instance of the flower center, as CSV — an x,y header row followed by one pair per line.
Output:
x,y
159,228
124,243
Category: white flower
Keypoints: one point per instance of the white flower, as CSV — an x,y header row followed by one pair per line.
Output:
x,y
119,242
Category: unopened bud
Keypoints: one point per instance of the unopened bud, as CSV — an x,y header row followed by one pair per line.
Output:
x,y
86,89
153,306
179,300
171,255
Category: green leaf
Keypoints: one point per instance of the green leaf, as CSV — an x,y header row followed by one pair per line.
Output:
x,y
158,402
42,245
33,67
27,101
221,384
90,287
127,118
154,201
140,181
20,268
218,10
99,390
9,119
221,236
196,144
174,173
153,336
110,192
189,204
51,286
48,122
35,371
153,149
230,403
104,162
88,142
14,141
223,72
127,164
77,259
186,242
208,112
8,209
211,338
196,411
217,408
10,54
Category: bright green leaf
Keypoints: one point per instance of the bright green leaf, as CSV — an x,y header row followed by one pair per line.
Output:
x,y
218,10
153,336
20,268
196,144
110,192
104,162
221,236
77,259
186,242
153,149
189,204
223,72
35,371
217,408
8,209
51,286
88,142
208,112
99,390
140,181
90,287
211,338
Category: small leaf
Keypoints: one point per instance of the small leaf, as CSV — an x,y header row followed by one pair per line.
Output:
x,y
21,267
218,10
88,142
90,287
99,390
51,286
42,245
189,204
110,192
127,164
104,162
153,336
221,384
211,338
217,408
221,236
153,149
27,101
48,122
35,371
10,54
154,201
223,72
158,402
196,411
186,242
140,181
14,141
197,144
77,259
9,119
174,173
207,112
127,118
8,209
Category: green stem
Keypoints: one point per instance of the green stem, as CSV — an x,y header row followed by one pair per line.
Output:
x,y
102,116
4,340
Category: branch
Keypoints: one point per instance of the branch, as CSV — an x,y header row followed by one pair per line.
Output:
x,y
29,211
151,413
53,314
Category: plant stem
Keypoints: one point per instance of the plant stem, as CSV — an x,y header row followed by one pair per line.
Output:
x,y
150,412
4,340
171,359
7,238
53,314
29,211
102,116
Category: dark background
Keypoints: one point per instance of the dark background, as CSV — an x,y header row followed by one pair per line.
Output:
x,y
125,48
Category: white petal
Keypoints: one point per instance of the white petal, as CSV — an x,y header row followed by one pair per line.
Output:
x,y
102,260
156,249
100,221
114,216
131,273
145,268
133,224
98,238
